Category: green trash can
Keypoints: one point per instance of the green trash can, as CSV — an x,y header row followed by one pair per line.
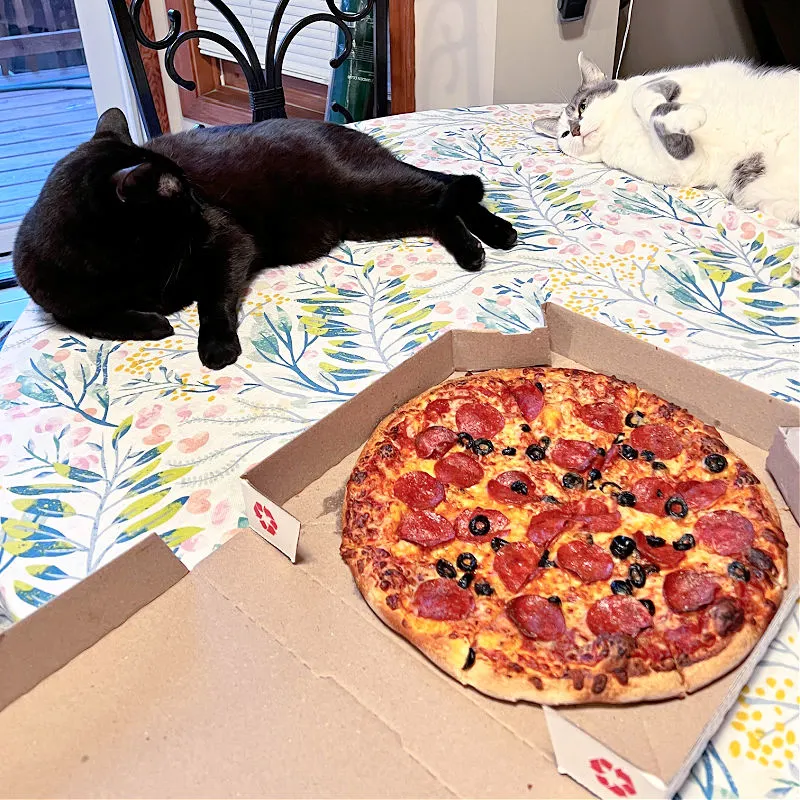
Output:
x,y
352,86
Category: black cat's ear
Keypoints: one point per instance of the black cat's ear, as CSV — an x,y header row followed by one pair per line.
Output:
x,y
145,182
113,123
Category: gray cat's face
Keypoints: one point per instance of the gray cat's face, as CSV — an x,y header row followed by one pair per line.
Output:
x,y
579,129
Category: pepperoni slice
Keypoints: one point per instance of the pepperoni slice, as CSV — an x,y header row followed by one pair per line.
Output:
x,y
659,439
652,495
665,556
419,490
434,442
594,516
536,617
479,420
437,408
443,599
515,564
601,417
498,524
573,454
588,561
529,399
618,614
425,528
500,488
686,590
544,527
458,469
702,494
725,532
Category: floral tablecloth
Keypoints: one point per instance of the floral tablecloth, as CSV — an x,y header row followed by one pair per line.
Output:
x,y
102,442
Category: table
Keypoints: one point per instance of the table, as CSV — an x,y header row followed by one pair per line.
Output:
x,y
100,442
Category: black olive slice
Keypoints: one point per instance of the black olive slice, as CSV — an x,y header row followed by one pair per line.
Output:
x,y
509,451
634,419
465,439
621,587
622,546
738,571
498,542
714,462
520,487
626,499
628,453
676,507
535,452
483,589
648,604
572,481
479,525
470,661
686,542
445,568
467,562
637,576
482,447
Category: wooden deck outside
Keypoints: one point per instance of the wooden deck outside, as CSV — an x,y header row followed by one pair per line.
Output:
x,y
38,127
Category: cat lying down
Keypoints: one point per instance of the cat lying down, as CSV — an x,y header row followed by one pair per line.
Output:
x,y
727,125
121,235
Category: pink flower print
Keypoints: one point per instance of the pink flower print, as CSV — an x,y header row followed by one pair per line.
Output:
x,y
673,329
503,301
478,290
554,240
215,411
730,219
383,260
412,259
79,435
748,230
5,440
4,461
198,502
594,236
570,250
184,414
5,371
61,355
84,462
397,269
220,512
157,434
610,182
612,219
628,247
462,313
443,308
193,543
337,270
565,172
425,275
349,286
192,443
147,416
632,188
680,350
227,384
10,391
41,344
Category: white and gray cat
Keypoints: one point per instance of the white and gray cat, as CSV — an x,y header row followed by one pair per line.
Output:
x,y
726,124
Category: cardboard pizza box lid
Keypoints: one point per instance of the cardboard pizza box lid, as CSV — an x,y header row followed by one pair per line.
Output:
x,y
783,463
256,676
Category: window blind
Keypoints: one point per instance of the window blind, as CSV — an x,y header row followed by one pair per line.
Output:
x,y
308,55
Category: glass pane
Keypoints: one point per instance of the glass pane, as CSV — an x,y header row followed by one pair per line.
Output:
x,y
46,102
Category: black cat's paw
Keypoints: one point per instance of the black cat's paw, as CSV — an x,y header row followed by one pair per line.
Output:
x,y
472,259
156,327
218,353
503,235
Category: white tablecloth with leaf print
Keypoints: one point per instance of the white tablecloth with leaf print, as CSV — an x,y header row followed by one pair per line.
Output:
x,y
101,442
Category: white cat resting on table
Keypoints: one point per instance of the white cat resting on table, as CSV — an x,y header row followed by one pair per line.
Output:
x,y
725,124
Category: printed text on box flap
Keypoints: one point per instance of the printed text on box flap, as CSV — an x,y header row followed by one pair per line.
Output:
x,y
595,766
271,522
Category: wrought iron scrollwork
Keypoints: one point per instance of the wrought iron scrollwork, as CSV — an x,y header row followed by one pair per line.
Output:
x,y
265,83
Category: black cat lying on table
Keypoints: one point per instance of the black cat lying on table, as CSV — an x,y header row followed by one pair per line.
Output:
x,y
123,235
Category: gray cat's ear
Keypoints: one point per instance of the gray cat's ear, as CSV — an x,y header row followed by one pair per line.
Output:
x,y
547,126
144,183
113,123
590,72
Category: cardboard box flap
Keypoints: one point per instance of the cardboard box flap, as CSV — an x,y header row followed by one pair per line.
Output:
x,y
42,643
783,462
717,400
480,350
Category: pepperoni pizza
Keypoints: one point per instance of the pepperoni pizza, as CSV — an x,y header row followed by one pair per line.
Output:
x,y
561,536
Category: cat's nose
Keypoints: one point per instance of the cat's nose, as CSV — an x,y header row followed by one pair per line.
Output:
x,y
575,128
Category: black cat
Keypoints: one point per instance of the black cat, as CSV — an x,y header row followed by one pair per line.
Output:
x,y
121,235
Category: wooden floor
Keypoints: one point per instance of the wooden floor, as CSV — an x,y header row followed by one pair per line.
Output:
x,y
37,127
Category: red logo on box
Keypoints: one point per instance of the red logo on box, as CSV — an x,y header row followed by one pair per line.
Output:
x,y
266,519
616,780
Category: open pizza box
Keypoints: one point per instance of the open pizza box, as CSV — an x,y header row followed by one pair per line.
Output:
x,y
262,675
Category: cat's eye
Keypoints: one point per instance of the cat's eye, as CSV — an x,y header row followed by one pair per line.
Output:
x,y
582,107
